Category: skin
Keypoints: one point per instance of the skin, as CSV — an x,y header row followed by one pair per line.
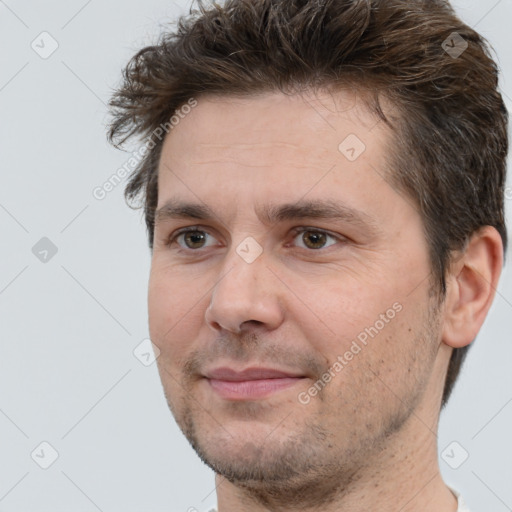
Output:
x,y
369,435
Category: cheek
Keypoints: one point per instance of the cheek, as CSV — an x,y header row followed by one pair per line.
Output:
x,y
160,306
338,310
359,324
168,308
176,314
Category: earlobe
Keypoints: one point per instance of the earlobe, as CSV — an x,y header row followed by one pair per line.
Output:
x,y
471,287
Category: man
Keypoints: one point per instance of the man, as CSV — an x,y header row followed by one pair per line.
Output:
x,y
323,184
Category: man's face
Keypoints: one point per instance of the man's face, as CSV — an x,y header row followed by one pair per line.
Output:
x,y
290,296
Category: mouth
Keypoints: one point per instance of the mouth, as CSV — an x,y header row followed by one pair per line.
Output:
x,y
251,383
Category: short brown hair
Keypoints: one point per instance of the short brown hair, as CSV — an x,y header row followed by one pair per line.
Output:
x,y
451,138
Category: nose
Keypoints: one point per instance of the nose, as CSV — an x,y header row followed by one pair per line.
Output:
x,y
245,294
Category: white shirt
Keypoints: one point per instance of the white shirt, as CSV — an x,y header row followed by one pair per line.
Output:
x,y
462,506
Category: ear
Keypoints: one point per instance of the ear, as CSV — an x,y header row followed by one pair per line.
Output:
x,y
471,286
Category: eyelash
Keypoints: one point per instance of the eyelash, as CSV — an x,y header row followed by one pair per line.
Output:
x,y
296,231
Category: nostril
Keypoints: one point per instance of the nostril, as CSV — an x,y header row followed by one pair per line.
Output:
x,y
256,323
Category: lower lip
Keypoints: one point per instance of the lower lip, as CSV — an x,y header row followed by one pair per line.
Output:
x,y
251,389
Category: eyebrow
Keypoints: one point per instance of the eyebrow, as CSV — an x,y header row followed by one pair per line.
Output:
x,y
324,209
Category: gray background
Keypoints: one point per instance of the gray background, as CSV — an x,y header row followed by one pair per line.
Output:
x,y
69,325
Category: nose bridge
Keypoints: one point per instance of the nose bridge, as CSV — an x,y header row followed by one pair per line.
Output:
x,y
241,275
243,291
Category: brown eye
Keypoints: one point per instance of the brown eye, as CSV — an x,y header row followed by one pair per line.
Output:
x,y
192,239
314,239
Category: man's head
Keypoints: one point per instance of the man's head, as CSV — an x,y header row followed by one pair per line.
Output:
x,y
375,126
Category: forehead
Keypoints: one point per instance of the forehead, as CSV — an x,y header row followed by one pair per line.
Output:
x,y
262,117
287,133
238,153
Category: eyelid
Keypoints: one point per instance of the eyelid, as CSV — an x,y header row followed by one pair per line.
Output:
x,y
301,229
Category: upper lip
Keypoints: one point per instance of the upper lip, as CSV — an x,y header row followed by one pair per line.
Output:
x,y
254,373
